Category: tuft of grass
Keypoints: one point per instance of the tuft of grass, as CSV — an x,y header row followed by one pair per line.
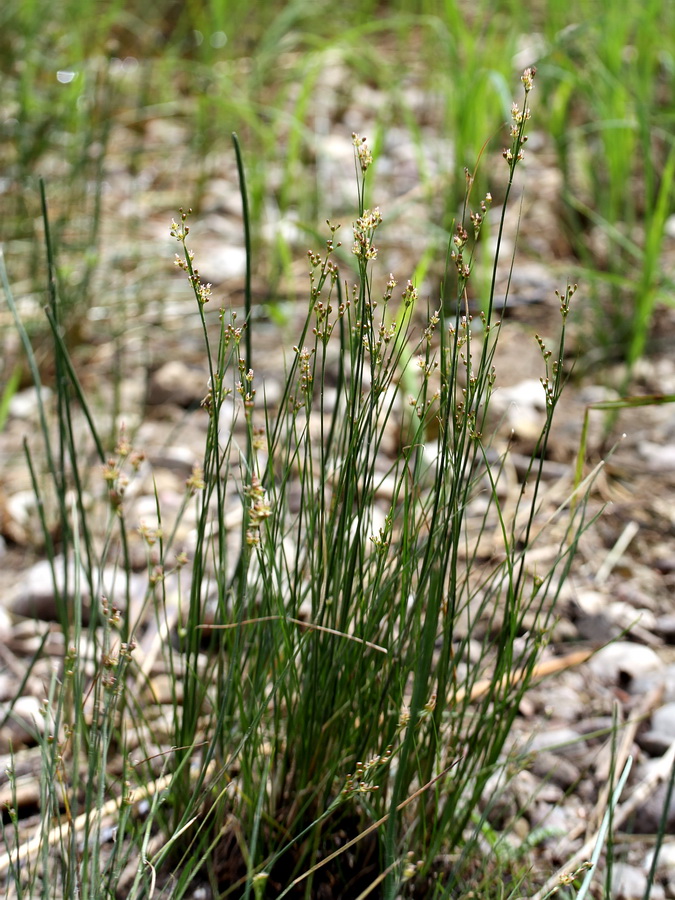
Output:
x,y
611,104
348,634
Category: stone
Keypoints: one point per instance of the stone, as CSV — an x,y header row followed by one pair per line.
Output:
x,y
221,262
664,626
176,382
630,883
565,741
523,406
25,404
666,860
35,596
653,742
652,680
663,720
24,724
648,815
624,660
555,768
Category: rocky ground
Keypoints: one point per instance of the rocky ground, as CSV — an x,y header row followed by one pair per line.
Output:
x,y
140,354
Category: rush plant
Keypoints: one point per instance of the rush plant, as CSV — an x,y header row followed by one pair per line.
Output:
x,y
345,660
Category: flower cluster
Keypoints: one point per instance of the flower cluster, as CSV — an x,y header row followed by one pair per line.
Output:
x,y
363,154
232,334
150,534
180,231
245,388
459,240
216,394
306,374
519,117
381,540
196,480
364,229
565,299
411,866
427,367
478,218
434,319
324,272
528,78
360,782
113,472
259,510
410,295
550,382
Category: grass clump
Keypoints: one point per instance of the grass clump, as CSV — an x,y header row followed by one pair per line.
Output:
x,y
348,632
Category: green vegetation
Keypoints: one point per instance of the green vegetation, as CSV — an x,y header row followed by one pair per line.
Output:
x,y
331,689
346,648
81,98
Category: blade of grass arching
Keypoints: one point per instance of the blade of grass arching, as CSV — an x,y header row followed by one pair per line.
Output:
x,y
247,246
67,441
32,365
242,568
613,407
49,248
646,293
608,227
24,681
59,484
72,379
69,446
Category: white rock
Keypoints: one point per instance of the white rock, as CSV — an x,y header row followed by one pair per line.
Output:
x,y
565,741
24,404
624,658
666,861
663,720
523,407
22,507
221,263
630,883
176,382
26,721
659,458
34,596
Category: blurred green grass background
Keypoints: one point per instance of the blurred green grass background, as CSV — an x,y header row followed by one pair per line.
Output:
x,y
154,90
